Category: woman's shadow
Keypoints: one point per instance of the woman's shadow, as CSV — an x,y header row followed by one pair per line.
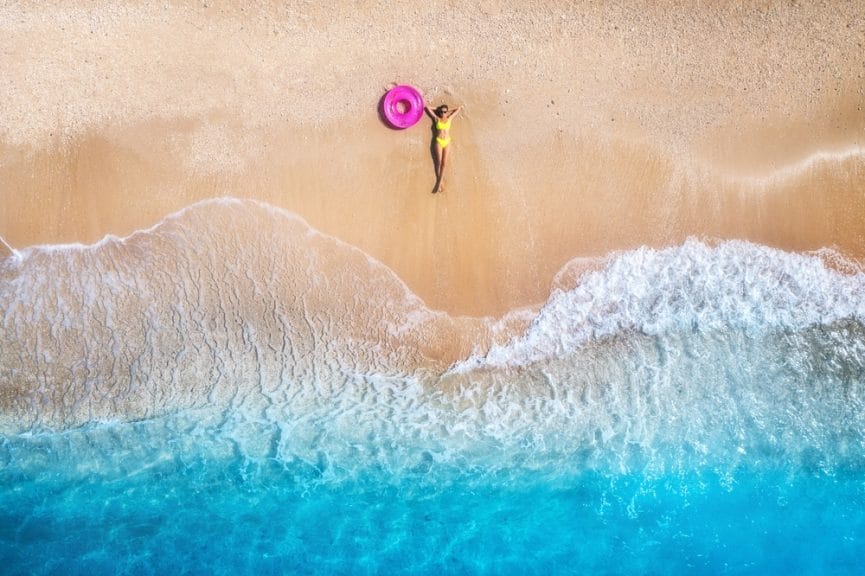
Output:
x,y
433,154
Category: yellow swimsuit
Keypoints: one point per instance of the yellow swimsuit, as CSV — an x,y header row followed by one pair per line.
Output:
x,y
443,142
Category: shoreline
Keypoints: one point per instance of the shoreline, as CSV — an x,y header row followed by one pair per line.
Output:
x,y
474,250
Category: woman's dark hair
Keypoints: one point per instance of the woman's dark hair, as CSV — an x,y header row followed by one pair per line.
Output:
x,y
441,110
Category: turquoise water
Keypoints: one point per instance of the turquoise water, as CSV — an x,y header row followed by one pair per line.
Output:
x,y
231,517
231,392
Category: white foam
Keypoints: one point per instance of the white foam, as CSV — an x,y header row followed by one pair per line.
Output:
x,y
235,312
696,286
238,203
111,238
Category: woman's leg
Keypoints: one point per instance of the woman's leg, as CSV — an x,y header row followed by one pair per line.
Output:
x,y
439,153
443,156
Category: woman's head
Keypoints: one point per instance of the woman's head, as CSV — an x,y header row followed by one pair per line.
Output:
x,y
441,110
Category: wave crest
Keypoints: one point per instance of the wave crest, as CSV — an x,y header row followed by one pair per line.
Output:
x,y
697,286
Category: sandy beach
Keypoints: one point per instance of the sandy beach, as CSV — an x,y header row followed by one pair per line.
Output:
x,y
587,128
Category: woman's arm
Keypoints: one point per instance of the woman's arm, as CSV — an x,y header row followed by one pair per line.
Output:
x,y
455,112
430,112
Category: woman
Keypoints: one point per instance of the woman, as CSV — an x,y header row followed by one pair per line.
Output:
x,y
442,126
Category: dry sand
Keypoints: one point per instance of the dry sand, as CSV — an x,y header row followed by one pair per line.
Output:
x,y
589,127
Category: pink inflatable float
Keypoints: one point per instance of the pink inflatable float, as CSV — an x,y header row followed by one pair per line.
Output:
x,y
402,106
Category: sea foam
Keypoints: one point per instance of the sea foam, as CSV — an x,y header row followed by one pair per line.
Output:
x,y
233,330
732,285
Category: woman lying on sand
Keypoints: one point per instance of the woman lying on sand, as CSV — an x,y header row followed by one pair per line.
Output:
x,y
442,119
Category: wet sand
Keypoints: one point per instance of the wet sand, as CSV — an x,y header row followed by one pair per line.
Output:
x,y
587,129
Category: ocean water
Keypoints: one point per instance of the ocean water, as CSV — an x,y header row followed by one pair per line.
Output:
x,y
232,392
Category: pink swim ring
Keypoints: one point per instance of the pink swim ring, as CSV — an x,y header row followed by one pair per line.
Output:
x,y
402,106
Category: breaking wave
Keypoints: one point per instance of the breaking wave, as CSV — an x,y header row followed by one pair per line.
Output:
x,y
238,321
